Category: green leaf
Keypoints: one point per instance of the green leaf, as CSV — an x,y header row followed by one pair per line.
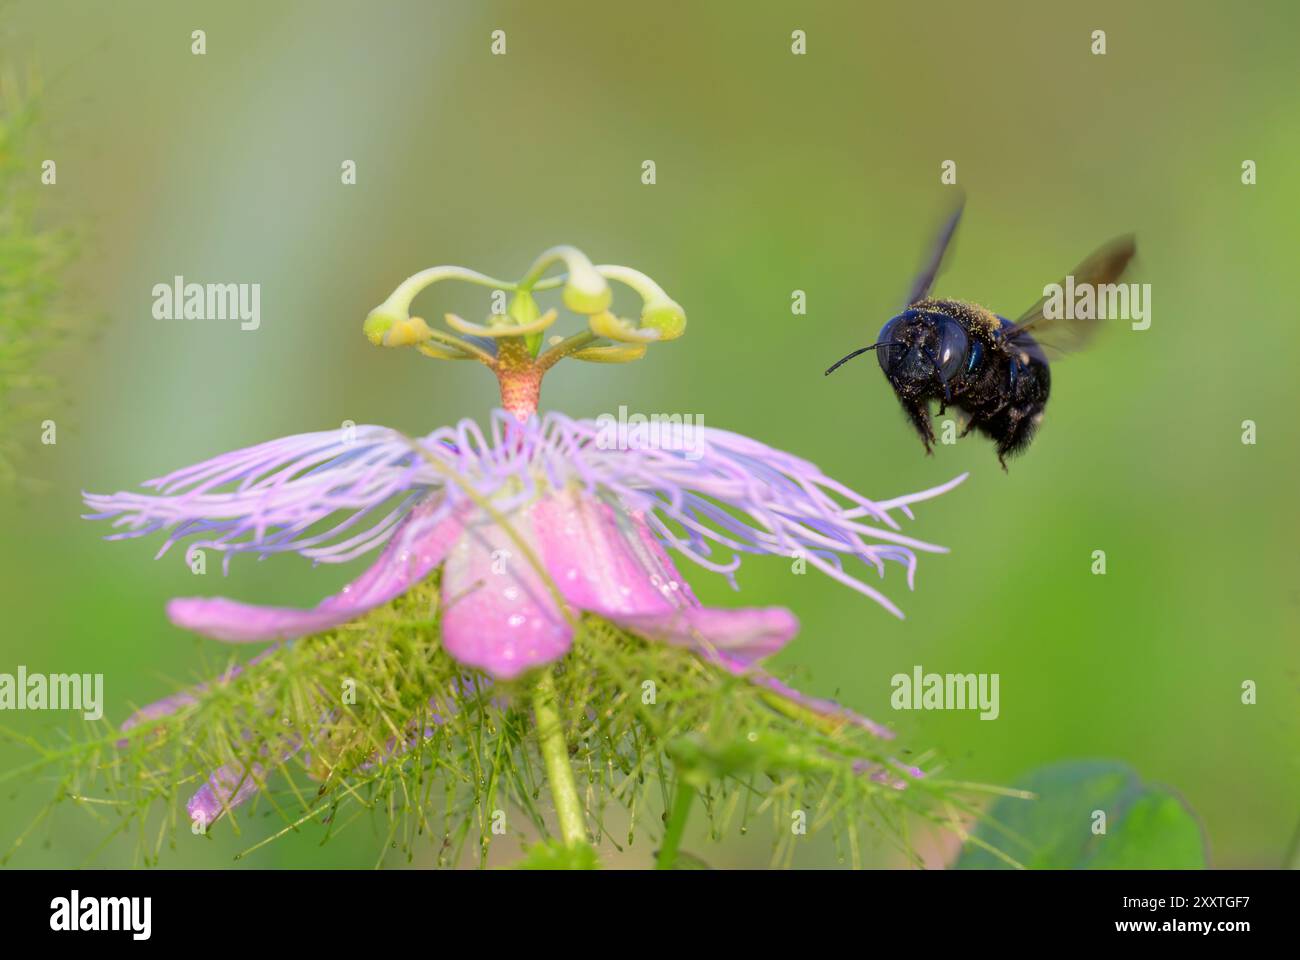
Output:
x,y
556,855
1147,827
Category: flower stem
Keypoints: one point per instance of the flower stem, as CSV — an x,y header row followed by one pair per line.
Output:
x,y
555,753
683,798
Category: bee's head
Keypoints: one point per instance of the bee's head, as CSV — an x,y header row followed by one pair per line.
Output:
x,y
921,351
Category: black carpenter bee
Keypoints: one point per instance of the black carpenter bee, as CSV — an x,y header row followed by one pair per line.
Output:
x,y
968,357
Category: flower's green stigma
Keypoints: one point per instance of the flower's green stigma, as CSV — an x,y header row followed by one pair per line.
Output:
x,y
510,342
585,290
373,723
659,312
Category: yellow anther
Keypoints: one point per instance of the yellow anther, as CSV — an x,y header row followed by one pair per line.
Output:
x,y
619,354
605,324
405,333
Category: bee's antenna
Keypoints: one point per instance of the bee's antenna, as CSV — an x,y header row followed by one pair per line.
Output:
x,y
856,353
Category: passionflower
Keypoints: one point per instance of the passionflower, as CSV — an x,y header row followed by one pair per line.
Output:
x,y
531,524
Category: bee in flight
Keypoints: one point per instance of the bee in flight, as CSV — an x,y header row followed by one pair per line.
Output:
x,y
964,356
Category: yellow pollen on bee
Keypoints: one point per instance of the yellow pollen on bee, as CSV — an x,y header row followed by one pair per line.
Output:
x,y
986,317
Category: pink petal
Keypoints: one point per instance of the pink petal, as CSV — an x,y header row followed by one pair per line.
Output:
x,y
231,784
745,634
599,559
162,708
415,550
226,789
826,708
610,564
498,614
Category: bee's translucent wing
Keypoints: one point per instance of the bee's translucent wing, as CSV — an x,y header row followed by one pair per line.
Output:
x,y
1060,334
922,285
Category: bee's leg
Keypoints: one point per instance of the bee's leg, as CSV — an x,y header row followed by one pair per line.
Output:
x,y
1021,423
919,414
990,421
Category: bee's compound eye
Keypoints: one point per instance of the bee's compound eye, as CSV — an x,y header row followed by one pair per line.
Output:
x,y
953,348
888,353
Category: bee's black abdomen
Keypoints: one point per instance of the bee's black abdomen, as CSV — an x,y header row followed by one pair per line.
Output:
x,y
1010,408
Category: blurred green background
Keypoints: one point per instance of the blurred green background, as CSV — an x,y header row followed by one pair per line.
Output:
x,y
774,173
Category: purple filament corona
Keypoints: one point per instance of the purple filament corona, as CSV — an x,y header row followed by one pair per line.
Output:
x,y
335,495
